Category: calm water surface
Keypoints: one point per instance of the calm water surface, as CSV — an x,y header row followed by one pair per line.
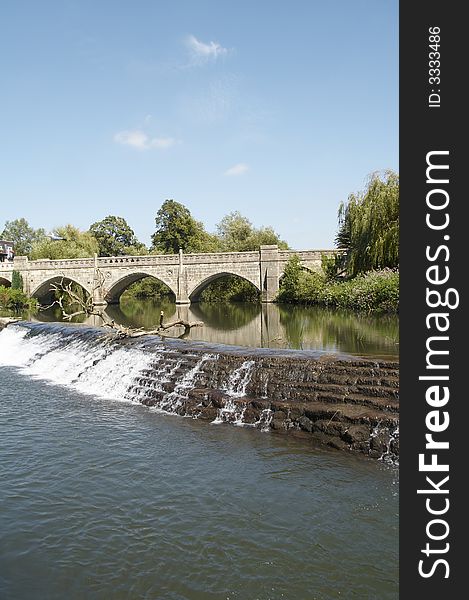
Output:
x,y
268,326
108,500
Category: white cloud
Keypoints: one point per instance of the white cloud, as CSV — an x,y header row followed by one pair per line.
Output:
x,y
136,138
238,169
201,53
161,142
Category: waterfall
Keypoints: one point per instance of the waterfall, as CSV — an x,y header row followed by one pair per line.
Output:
x,y
239,379
235,387
265,419
344,402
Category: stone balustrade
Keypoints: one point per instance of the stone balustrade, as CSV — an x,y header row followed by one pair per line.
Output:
x,y
106,278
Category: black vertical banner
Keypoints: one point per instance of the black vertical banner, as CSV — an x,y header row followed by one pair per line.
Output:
x,y
434,270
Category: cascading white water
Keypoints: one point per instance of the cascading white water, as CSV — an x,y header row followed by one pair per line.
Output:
x,y
15,351
95,369
172,401
235,388
107,370
230,413
173,377
265,419
239,379
387,455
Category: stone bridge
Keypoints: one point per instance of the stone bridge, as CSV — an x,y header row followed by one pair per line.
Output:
x,y
106,278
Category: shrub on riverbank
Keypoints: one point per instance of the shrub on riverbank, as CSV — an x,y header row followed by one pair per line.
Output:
x,y
375,291
14,299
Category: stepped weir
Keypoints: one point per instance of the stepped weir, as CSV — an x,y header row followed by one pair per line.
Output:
x,y
341,401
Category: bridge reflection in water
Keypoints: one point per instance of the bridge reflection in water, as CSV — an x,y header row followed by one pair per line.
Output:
x,y
264,325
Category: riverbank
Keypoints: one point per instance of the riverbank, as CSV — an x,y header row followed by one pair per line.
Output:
x,y
372,292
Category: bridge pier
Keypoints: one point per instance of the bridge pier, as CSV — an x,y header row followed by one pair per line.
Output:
x,y
270,272
106,277
182,296
98,287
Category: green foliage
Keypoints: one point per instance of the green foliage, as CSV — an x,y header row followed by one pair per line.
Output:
x,y
331,266
376,291
237,234
16,281
73,244
230,289
291,280
22,235
116,238
369,225
149,287
176,229
14,299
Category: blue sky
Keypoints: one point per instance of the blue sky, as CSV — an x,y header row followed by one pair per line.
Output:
x,y
277,109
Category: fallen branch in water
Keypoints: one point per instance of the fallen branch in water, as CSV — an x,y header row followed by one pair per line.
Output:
x,y
5,321
86,307
161,329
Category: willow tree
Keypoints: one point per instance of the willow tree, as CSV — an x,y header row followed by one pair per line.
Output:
x,y
369,225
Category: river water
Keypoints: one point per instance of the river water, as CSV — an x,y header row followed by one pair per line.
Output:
x,y
267,326
103,498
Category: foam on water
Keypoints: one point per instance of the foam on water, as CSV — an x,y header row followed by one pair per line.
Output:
x,y
15,351
239,379
235,387
173,400
96,369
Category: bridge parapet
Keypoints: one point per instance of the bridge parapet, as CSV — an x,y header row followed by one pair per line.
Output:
x,y
107,277
146,260
305,254
46,264
6,266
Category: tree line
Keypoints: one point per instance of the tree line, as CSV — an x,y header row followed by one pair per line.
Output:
x,y
367,240
175,229
363,275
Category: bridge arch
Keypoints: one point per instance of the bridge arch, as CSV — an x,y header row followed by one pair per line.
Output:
x,y
197,289
44,292
5,282
117,288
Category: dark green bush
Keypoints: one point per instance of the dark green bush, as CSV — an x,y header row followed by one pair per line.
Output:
x,y
376,291
16,281
12,299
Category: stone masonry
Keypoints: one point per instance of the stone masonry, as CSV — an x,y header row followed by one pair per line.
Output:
x,y
106,278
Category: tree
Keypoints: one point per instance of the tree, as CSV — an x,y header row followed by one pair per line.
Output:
x,y
70,243
16,281
290,284
176,229
22,235
115,237
237,234
369,225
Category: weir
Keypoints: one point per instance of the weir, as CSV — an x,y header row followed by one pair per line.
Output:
x,y
337,400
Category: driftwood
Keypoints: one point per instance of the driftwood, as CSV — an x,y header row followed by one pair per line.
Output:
x,y
86,307
5,321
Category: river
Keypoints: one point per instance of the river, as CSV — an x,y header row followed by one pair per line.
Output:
x,y
265,325
103,498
